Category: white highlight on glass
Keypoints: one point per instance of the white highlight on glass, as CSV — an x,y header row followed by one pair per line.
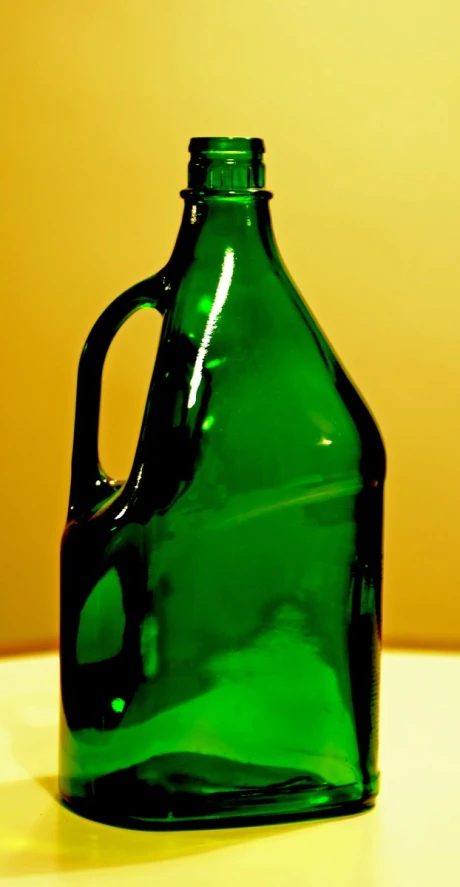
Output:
x,y
223,287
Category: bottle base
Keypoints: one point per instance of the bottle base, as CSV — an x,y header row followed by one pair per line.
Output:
x,y
183,810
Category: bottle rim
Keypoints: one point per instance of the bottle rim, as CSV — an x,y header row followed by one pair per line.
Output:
x,y
227,145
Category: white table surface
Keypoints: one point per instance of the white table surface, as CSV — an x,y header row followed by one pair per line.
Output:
x,y
411,839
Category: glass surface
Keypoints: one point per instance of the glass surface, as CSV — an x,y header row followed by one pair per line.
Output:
x,y
220,615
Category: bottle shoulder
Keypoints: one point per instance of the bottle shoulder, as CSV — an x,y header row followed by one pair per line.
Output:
x,y
346,387
250,379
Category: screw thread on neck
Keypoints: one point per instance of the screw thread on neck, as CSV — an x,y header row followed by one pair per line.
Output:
x,y
226,164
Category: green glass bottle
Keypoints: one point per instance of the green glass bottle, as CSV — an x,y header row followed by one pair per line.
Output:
x,y
220,613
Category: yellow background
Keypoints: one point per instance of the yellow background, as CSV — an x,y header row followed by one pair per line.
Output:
x,y
359,106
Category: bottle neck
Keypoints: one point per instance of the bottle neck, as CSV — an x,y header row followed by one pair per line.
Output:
x,y
213,223
226,207
226,164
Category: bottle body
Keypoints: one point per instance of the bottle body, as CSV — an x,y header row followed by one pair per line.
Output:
x,y
220,623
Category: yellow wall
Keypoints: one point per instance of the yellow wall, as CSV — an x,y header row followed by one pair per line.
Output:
x,y
359,106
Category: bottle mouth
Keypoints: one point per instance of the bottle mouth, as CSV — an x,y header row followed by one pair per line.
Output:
x,y
226,164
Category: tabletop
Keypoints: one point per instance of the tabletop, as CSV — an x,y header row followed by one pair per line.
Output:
x,y
412,836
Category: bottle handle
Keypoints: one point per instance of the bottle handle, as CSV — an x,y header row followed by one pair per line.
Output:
x,y
90,486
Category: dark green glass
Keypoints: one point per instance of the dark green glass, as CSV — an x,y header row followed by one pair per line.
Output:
x,y
220,614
